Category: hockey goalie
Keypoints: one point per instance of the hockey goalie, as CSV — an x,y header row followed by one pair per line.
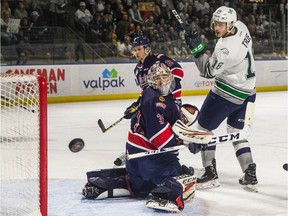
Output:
x,y
159,178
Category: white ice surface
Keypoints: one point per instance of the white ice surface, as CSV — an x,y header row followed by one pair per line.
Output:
x,y
67,170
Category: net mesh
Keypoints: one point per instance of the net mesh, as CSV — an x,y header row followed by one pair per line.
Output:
x,y
19,145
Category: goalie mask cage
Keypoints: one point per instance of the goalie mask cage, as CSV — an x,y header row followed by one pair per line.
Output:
x,y
23,145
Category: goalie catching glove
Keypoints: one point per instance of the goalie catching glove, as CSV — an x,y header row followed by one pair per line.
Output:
x,y
195,44
189,114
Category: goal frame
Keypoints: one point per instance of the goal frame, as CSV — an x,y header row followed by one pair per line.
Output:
x,y
40,81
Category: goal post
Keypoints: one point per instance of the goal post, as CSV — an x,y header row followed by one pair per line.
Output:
x,y
23,145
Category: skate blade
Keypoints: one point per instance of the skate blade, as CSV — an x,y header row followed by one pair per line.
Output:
x,y
250,188
167,208
207,185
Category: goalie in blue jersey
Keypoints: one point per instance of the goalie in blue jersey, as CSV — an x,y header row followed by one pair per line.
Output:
x,y
161,176
141,47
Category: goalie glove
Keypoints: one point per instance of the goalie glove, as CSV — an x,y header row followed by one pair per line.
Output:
x,y
189,114
195,44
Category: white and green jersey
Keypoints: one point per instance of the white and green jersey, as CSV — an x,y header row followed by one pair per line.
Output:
x,y
232,65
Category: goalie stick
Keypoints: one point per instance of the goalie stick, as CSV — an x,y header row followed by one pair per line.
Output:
x,y
204,137
101,125
214,140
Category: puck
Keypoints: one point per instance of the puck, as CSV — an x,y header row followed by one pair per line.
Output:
x,y
285,166
76,145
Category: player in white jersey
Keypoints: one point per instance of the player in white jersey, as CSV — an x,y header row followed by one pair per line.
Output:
x,y
233,94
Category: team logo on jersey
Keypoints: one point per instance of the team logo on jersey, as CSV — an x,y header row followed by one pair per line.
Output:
x,y
161,98
162,105
225,51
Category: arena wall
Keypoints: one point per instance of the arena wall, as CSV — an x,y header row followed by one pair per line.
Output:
x,y
74,83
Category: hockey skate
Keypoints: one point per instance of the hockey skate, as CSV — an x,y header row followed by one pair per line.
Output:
x,y
249,180
162,204
209,179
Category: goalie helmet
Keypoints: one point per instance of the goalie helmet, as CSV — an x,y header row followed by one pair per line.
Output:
x,y
160,78
189,114
224,14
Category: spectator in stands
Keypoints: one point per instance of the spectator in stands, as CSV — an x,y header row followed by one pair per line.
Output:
x,y
123,27
37,28
119,12
23,51
20,11
5,8
172,34
135,14
5,20
83,15
205,27
96,28
125,49
191,11
34,6
109,12
202,7
98,7
57,12
24,28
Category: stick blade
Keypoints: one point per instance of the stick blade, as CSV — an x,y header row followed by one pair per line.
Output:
x,y
101,125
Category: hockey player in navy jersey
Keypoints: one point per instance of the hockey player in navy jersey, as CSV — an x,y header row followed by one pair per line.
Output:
x,y
142,52
169,183
233,95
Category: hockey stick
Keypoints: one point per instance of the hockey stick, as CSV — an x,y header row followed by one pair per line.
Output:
x,y
207,137
213,141
176,15
101,125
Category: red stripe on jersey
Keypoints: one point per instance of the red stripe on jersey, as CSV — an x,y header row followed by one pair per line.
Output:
x,y
178,73
177,94
160,139
139,141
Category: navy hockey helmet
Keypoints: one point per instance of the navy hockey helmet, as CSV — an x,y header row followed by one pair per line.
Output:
x,y
141,41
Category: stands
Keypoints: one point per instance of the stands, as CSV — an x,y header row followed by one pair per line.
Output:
x,y
60,38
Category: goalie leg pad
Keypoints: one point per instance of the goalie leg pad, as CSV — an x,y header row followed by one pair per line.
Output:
x,y
174,192
107,183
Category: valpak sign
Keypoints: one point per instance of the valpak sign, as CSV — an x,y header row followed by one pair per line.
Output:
x,y
108,79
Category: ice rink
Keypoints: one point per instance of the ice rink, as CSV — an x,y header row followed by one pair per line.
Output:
x,y
67,170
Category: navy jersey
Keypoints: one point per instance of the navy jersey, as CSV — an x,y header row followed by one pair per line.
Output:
x,y
141,71
150,130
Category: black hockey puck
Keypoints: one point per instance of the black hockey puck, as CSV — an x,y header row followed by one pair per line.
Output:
x,y
76,145
285,166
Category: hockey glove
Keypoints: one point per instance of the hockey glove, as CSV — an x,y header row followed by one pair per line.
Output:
x,y
195,44
196,148
129,112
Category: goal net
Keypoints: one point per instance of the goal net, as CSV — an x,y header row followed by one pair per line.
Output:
x,y
23,145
